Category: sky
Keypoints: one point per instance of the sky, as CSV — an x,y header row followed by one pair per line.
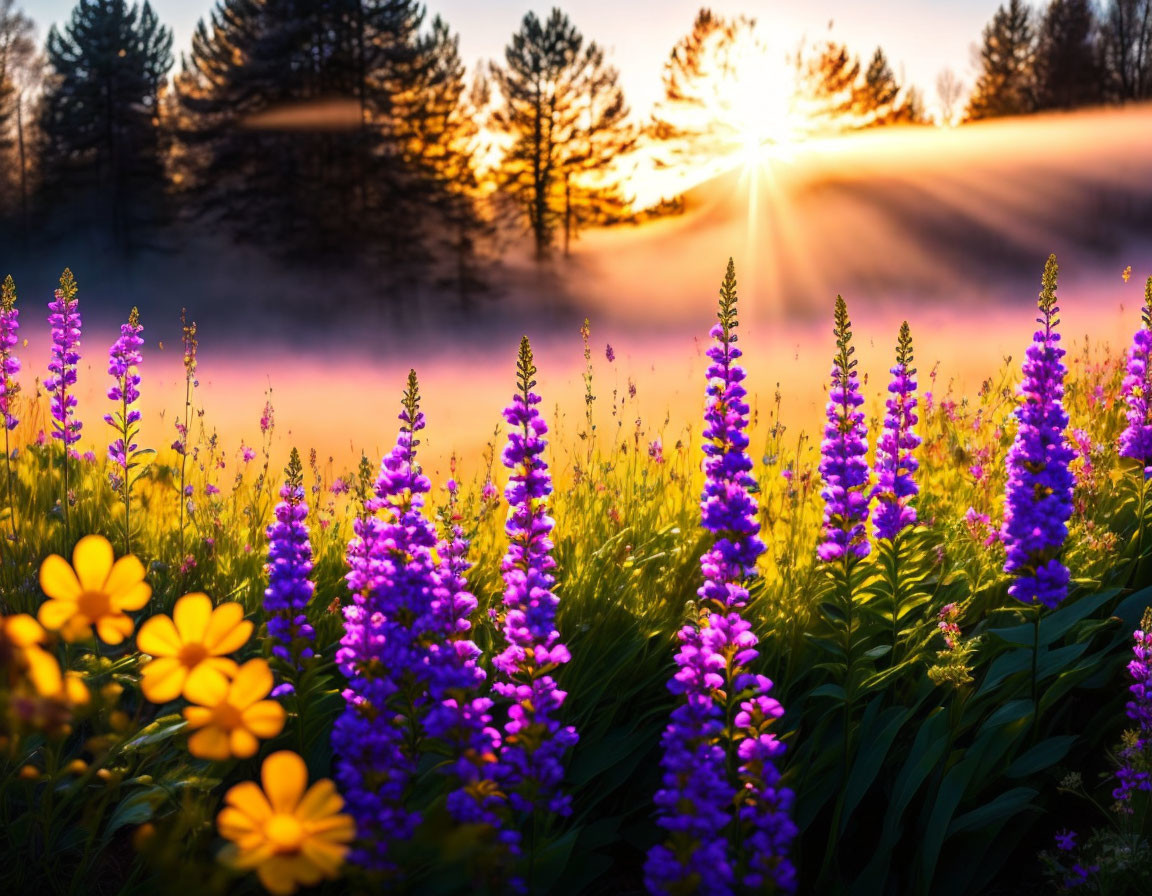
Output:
x,y
920,36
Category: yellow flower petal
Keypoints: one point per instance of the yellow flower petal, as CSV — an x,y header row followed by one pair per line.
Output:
x,y
253,682
247,858
77,628
219,668
44,672
209,743
92,559
236,825
247,797
321,800
22,630
197,716
279,875
328,857
163,679
336,828
75,691
133,598
191,615
57,579
207,690
243,743
158,637
284,776
126,573
53,614
264,719
227,629
114,629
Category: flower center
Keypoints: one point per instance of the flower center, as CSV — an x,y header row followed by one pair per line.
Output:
x,y
192,655
94,604
226,716
284,832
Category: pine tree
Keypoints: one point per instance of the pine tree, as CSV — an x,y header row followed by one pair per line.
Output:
x,y
1006,83
1068,72
1126,41
881,90
18,70
564,113
833,88
100,125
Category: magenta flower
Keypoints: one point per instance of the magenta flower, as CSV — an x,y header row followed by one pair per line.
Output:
x,y
531,758
9,363
65,323
843,465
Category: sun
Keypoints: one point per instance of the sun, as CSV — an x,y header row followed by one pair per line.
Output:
x,y
760,100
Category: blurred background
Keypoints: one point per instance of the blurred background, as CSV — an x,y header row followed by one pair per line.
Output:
x,y
363,185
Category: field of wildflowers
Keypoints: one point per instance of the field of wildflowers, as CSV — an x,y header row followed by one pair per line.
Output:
x,y
911,658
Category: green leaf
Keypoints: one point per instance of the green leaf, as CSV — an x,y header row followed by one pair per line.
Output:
x,y
1000,810
1042,756
136,808
876,741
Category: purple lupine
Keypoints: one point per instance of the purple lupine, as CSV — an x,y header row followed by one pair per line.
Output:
x,y
9,363
1136,440
289,567
383,654
65,323
1038,500
531,767
895,463
123,358
1135,771
842,463
695,802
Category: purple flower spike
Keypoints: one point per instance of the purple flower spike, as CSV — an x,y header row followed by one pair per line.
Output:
x,y
65,323
9,363
895,465
531,759
1136,440
289,566
843,465
1135,771
384,654
700,802
123,358
1039,493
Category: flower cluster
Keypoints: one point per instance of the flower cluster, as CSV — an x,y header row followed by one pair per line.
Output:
x,y
1135,771
123,358
530,760
895,464
289,566
842,464
1136,440
698,794
1040,484
9,363
384,653
65,323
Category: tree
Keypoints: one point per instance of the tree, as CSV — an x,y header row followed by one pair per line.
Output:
x,y
1068,72
563,114
1006,82
1126,39
19,69
832,85
100,114
882,100
949,90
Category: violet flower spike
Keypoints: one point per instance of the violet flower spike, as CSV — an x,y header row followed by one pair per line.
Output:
x,y
695,803
1038,500
1136,440
9,363
843,465
65,323
531,768
289,570
1135,768
895,463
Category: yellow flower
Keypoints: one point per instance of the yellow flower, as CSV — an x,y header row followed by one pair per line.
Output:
x,y
21,645
231,716
291,838
190,644
93,591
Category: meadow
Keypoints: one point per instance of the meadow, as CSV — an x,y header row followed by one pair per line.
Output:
x,y
906,657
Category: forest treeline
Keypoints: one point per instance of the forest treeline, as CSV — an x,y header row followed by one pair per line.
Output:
x,y
351,132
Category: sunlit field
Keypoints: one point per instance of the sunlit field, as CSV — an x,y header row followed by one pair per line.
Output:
x,y
643,451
